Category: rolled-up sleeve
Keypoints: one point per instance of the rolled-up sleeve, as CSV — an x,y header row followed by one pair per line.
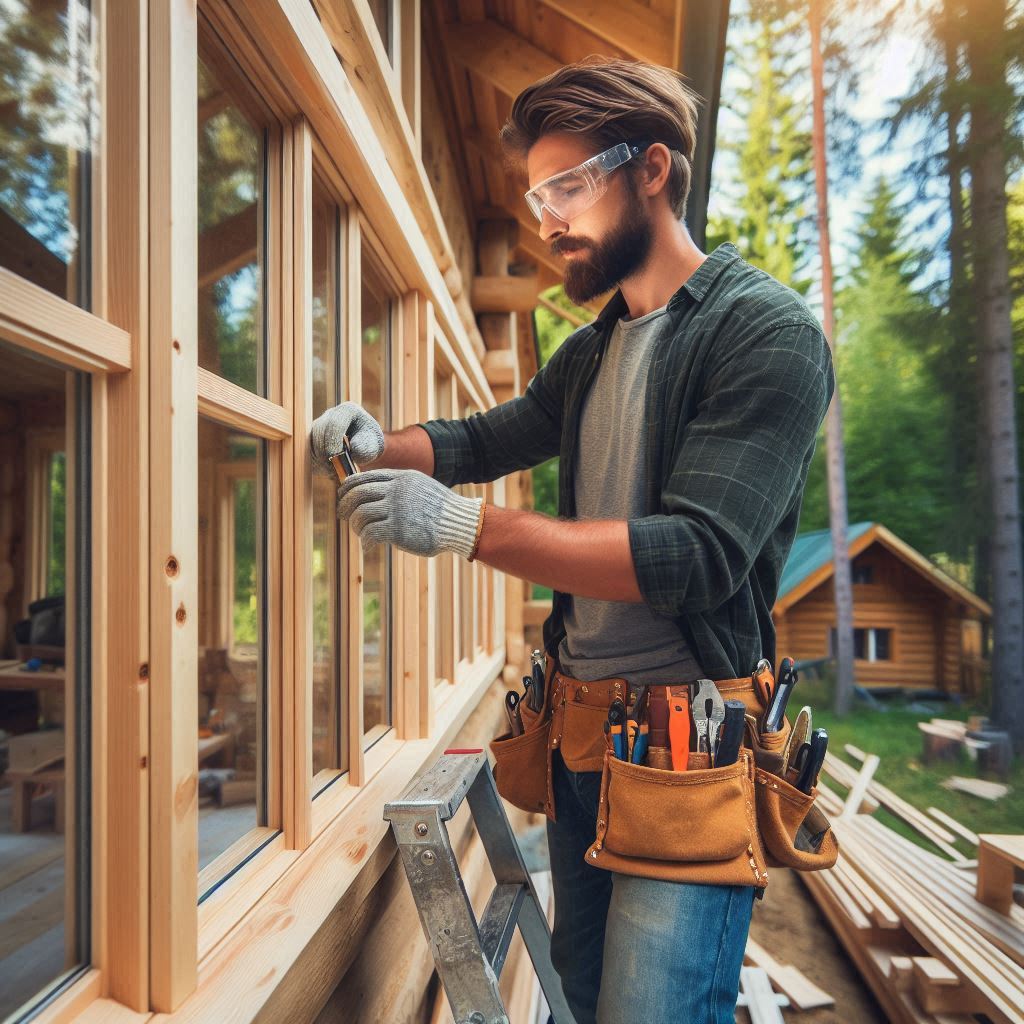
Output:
x,y
518,434
736,471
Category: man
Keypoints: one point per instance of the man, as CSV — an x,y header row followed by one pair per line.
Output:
x,y
685,417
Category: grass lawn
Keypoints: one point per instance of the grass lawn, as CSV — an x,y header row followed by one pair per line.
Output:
x,y
893,735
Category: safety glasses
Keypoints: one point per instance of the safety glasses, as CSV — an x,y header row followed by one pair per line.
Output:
x,y
568,193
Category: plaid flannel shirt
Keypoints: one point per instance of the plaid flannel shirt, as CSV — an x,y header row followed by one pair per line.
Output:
x,y
735,398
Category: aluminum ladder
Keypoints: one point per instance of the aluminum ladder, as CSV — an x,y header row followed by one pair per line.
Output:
x,y
469,954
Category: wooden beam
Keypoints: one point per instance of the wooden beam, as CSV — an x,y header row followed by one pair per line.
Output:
x,y
627,25
506,294
500,367
504,59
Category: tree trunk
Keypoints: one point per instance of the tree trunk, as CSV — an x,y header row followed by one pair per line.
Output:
x,y
989,102
835,454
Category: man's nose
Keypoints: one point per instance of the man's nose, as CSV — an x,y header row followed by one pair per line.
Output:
x,y
550,225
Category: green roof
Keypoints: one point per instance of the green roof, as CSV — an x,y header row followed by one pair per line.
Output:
x,y
810,552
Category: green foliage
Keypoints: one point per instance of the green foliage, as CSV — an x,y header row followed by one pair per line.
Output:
x,y
57,560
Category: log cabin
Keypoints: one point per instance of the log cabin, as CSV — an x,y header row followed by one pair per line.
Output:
x,y
915,627
216,221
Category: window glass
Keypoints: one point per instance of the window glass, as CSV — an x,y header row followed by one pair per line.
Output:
x,y
329,737
44,687
49,115
882,644
382,16
232,187
375,323
232,605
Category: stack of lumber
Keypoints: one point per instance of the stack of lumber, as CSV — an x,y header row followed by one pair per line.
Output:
x,y
909,918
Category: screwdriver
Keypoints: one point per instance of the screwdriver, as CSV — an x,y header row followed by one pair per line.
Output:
x,y
813,762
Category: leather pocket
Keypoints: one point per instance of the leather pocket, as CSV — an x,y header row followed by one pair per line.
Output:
x,y
583,742
796,834
692,826
521,766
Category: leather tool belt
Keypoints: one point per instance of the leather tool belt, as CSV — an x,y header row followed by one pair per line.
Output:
x,y
713,825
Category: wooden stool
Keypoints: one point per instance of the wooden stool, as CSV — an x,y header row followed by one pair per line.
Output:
x,y
998,858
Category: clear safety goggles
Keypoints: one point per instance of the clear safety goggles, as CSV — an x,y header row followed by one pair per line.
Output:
x,y
568,193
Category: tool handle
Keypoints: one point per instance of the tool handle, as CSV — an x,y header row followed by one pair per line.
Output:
x,y
775,714
732,733
512,711
657,715
679,730
815,758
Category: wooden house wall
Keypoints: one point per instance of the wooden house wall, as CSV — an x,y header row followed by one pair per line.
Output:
x,y
925,624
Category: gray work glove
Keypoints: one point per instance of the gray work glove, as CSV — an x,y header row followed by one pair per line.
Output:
x,y
410,510
364,436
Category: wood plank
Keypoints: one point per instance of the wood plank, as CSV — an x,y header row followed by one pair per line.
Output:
x,y
227,403
976,787
802,993
499,56
954,826
633,27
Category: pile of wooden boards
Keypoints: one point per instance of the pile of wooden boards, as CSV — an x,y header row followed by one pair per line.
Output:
x,y
909,918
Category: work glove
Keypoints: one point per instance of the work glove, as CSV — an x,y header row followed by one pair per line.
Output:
x,y
410,510
365,437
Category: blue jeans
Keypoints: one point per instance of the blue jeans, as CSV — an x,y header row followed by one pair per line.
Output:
x,y
632,950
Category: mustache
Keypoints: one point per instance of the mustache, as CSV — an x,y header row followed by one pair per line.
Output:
x,y
566,245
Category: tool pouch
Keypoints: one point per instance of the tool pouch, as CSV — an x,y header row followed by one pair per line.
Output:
x,y
521,763
692,826
786,817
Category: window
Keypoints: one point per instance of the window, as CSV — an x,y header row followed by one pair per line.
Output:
x,y
869,644
330,738
48,109
232,209
376,314
45,692
862,573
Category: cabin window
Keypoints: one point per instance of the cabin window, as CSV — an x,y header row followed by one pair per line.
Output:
x,y
376,319
232,231
45,647
862,573
330,738
49,109
869,644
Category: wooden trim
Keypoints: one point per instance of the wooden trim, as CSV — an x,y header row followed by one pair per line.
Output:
x,y
42,322
298,719
173,439
410,48
227,403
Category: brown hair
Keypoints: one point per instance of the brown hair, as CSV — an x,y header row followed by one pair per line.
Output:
x,y
609,100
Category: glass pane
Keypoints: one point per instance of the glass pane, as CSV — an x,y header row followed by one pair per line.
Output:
x,y
232,672
382,15
49,112
232,185
329,739
375,318
44,819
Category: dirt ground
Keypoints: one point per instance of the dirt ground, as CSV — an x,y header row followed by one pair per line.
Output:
x,y
789,925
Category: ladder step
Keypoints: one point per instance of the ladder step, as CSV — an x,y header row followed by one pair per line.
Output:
x,y
498,924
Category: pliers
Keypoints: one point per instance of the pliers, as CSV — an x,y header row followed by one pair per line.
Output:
x,y
708,711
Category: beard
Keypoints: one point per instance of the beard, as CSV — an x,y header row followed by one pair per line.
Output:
x,y
622,252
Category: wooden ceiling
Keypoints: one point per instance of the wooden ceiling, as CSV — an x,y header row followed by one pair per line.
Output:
x,y
496,48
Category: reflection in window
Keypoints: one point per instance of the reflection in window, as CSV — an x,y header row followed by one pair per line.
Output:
x,y
375,320
49,110
329,738
232,185
232,670
44,725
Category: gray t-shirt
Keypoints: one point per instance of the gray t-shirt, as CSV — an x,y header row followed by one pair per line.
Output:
x,y
620,638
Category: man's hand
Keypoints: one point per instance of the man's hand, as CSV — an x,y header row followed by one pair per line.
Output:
x,y
364,436
410,510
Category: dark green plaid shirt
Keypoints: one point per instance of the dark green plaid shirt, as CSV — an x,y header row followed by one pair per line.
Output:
x,y
734,402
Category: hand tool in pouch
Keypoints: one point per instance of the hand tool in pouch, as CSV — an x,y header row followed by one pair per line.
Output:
x,y
813,762
344,464
732,733
512,711
775,715
708,715
763,681
797,738
679,727
639,730
617,729
658,754
537,672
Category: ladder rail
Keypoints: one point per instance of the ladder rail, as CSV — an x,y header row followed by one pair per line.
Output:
x,y
470,955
